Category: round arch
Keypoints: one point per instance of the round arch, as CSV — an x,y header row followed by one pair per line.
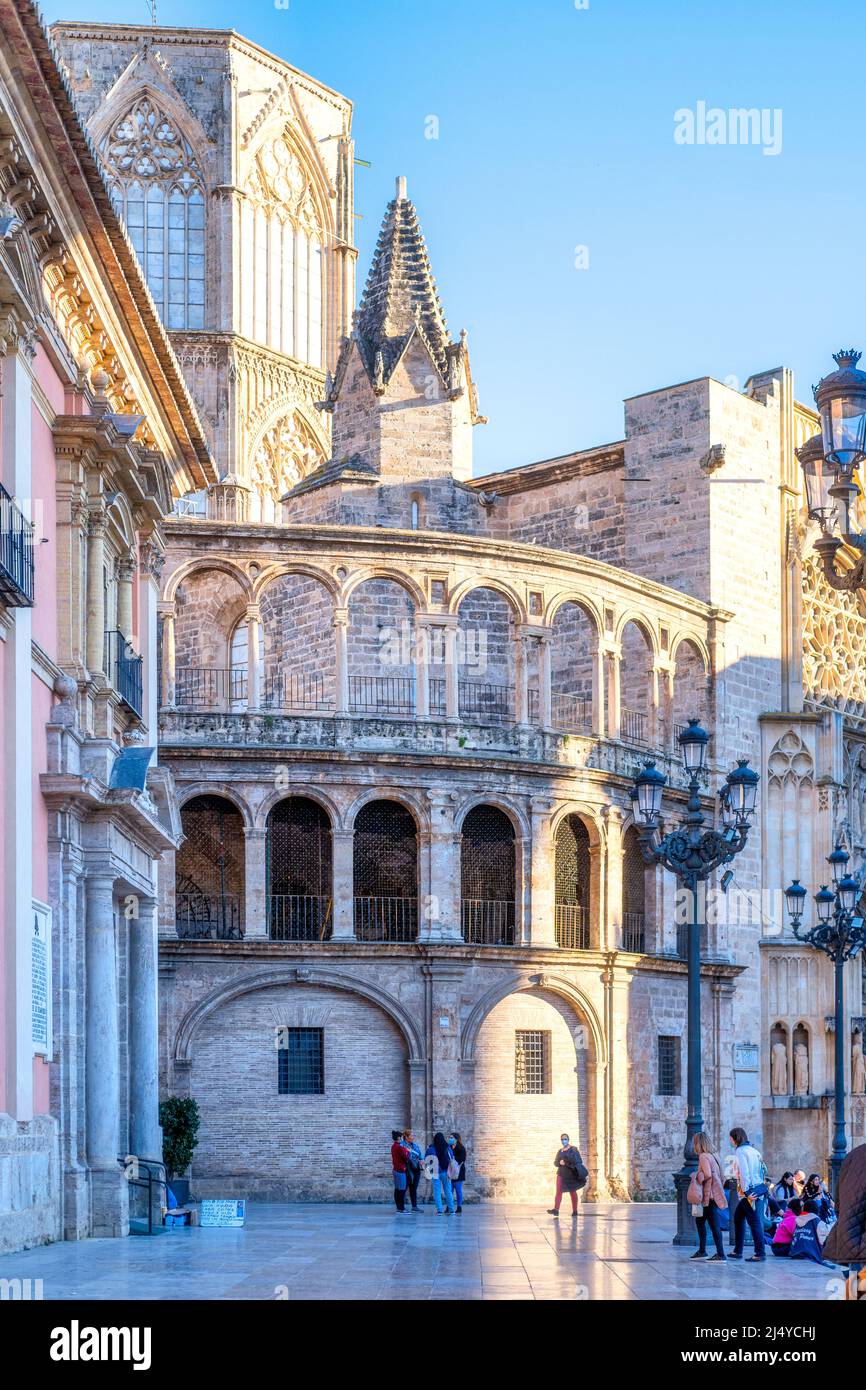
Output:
x,y
581,601
693,640
198,566
268,979
515,814
590,817
525,983
304,789
646,630
498,586
399,577
187,793
397,794
280,568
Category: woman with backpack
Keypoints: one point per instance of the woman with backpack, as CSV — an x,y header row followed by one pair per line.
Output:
x,y
437,1160
707,1193
458,1149
570,1175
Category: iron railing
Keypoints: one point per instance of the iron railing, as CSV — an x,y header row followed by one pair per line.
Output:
x,y
285,691
299,917
485,700
633,931
201,917
633,726
124,669
572,927
572,714
487,923
16,554
210,687
386,919
382,694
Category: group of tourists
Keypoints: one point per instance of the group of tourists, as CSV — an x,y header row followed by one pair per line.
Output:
x,y
793,1216
442,1164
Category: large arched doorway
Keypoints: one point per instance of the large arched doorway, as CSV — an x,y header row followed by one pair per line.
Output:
x,y
532,1083
282,1076
385,857
209,870
299,871
572,884
487,877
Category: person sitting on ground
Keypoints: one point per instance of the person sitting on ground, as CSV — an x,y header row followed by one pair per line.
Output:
x,y
799,1182
785,1230
785,1188
810,1233
816,1191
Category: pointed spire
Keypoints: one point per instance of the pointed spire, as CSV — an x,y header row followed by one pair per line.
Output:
x,y
400,296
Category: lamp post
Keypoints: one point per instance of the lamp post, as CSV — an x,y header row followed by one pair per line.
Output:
x,y
831,461
693,853
840,933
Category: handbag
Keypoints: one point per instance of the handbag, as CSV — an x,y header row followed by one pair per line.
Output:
x,y
453,1169
695,1194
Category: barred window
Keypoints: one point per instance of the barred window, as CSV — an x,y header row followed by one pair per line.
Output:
x,y
301,1062
669,1083
532,1062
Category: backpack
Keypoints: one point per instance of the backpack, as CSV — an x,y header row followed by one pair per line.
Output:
x,y
580,1171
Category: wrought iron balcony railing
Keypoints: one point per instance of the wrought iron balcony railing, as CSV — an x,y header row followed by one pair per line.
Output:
x,y
382,695
210,687
124,669
16,554
487,923
633,931
297,917
572,714
302,692
633,727
386,919
201,917
572,927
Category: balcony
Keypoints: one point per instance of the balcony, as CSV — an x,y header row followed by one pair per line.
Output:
x,y
572,927
487,923
633,931
386,919
202,918
16,554
299,917
124,669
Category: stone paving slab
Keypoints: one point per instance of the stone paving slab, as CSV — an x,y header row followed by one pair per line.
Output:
x,y
613,1252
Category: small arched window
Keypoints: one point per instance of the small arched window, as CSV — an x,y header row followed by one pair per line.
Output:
x,y
239,690
157,188
415,513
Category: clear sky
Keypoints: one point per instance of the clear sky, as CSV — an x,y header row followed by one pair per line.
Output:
x,y
556,131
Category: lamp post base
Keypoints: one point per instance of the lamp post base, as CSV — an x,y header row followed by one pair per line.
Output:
x,y
686,1233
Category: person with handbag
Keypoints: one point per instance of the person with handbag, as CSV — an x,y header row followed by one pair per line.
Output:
x,y
458,1148
413,1167
571,1175
707,1196
751,1176
439,1151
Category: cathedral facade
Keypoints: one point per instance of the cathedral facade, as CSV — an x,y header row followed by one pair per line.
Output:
x,y
401,707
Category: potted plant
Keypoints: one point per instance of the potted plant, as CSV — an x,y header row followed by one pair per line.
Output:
x,y
180,1119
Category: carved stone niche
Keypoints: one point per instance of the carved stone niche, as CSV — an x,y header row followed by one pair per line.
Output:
x,y
780,1083
802,1061
858,1064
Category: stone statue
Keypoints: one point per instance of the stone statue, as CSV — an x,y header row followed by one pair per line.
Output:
x,y
779,1081
858,1067
801,1069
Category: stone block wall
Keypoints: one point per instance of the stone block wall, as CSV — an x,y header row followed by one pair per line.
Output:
x,y
29,1182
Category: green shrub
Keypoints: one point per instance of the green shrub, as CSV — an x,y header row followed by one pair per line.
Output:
x,y
180,1119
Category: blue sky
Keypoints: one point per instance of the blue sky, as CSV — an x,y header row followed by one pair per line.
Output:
x,y
556,131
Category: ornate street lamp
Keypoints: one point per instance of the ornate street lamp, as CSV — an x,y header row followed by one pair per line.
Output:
x,y
830,462
693,853
840,933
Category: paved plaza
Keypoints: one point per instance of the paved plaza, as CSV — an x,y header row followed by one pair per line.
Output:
x,y
613,1251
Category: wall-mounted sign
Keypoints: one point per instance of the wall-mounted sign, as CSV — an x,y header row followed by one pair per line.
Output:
x,y
40,977
746,1057
222,1212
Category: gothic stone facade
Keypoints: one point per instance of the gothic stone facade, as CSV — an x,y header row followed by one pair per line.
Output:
x,y
403,706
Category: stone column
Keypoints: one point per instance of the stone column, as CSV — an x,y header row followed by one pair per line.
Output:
x,y
125,571
151,560
422,669
542,888
255,923
441,913
599,723
109,1194
340,621
96,593
656,727
612,658
167,610
521,679
452,693
343,889
254,694
545,713
610,919
145,1135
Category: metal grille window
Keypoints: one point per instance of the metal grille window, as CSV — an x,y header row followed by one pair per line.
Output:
x,y
301,1062
299,871
209,870
385,873
487,877
669,1083
532,1062
572,884
633,894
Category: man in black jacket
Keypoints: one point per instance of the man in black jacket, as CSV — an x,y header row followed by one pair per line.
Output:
x,y
846,1243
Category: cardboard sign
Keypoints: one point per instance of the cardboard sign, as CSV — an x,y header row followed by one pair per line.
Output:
x,y
223,1212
